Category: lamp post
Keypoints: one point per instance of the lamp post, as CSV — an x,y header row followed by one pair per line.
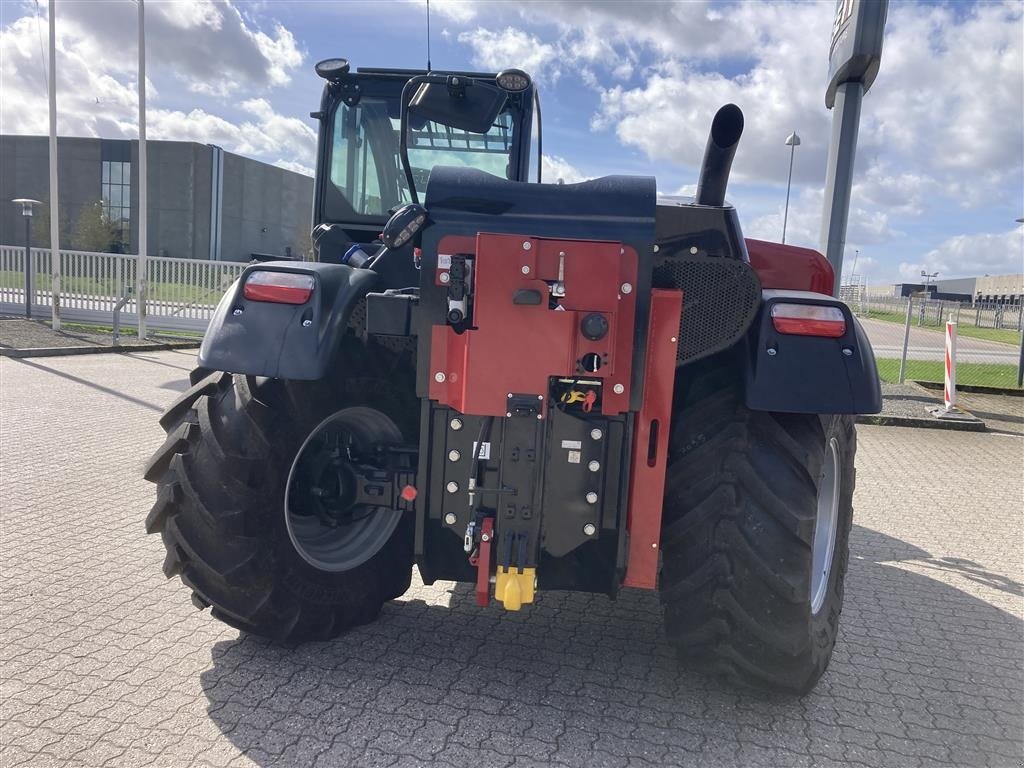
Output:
x,y
141,274
927,279
792,141
26,204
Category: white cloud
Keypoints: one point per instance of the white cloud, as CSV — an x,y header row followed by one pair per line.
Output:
x,y
940,130
291,165
512,47
977,254
210,47
460,11
267,135
556,169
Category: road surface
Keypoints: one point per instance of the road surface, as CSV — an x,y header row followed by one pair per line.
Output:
x,y
105,662
929,344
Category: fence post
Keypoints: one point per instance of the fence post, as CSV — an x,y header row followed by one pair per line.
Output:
x,y
949,390
28,265
141,291
906,338
1020,364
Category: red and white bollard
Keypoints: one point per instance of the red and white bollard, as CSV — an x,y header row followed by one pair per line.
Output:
x,y
950,388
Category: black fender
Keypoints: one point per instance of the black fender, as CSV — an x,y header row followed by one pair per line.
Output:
x,y
287,341
810,374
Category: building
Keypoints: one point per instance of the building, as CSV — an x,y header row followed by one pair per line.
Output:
x,y
1003,289
203,202
934,290
990,289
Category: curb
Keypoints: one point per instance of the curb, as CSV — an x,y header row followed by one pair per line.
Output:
x,y
881,420
95,350
974,388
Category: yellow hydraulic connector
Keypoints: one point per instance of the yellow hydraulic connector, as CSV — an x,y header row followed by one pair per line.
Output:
x,y
514,586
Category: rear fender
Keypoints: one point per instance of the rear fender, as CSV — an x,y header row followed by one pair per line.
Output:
x,y
810,374
287,341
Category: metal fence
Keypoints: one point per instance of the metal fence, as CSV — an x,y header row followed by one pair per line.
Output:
x,y
182,293
908,336
907,333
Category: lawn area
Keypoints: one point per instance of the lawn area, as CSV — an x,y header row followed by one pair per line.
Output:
x,y
974,374
1003,335
177,293
131,331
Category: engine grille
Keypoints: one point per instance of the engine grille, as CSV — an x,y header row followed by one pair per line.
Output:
x,y
720,300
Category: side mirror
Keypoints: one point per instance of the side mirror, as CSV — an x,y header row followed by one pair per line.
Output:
x,y
403,226
464,104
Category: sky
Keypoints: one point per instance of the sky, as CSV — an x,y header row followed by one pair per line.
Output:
x,y
626,87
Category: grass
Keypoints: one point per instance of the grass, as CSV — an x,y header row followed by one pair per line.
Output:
x,y
1002,335
132,331
975,374
177,293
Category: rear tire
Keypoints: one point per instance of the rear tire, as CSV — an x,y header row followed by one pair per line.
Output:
x,y
222,475
744,593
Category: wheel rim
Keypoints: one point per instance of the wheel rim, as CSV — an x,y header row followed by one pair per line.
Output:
x,y
327,528
825,526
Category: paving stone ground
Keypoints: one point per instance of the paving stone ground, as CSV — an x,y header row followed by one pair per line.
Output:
x,y
103,662
18,333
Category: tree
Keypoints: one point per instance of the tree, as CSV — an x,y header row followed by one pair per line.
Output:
x,y
41,226
305,246
95,230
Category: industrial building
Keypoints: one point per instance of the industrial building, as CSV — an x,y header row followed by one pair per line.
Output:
x,y
203,202
989,289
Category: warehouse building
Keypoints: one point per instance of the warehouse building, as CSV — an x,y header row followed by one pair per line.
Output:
x,y
203,202
989,289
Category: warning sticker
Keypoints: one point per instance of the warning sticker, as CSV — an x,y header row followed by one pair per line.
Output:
x,y
575,445
575,457
485,450
444,261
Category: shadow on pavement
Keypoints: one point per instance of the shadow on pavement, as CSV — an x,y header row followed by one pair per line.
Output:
x,y
87,383
922,670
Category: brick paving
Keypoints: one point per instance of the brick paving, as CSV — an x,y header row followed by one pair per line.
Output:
x,y
103,662
18,333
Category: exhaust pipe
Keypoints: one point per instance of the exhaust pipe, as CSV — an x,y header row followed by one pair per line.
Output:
x,y
726,129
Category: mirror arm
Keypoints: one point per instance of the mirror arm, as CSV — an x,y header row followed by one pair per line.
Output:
x,y
403,123
540,133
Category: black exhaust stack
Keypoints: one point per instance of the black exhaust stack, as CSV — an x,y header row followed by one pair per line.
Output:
x,y
726,129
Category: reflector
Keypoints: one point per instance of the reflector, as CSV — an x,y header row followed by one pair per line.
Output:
x,y
279,287
809,320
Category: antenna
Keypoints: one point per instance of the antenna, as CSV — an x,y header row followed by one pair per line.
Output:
x,y
428,36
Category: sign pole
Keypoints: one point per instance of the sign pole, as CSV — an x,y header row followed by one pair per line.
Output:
x,y
854,58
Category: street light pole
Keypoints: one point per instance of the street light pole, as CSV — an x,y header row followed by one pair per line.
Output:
x,y
792,141
26,204
928,280
51,11
142,288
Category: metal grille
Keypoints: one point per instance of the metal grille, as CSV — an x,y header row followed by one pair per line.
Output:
x,y
720,300
396,344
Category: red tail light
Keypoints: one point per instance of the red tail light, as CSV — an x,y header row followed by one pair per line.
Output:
x,y
809,320
279,287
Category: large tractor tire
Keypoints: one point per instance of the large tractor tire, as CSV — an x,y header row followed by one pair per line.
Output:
x,y
254,506
758,508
